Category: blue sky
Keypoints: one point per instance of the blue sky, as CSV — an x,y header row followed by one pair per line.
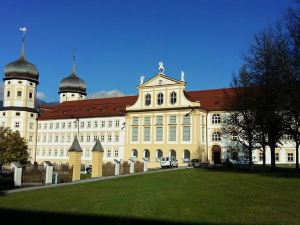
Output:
x,y
117,41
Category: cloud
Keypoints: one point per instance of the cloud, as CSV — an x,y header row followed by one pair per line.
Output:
x,y
40,95
106,94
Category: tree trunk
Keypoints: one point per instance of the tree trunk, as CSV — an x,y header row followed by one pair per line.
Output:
x,y
250,153
273,165
297,157
264,155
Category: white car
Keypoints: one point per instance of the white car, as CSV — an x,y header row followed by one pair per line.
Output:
x,y
168,161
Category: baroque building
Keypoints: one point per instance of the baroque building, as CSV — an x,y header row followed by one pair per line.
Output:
x,y
163,119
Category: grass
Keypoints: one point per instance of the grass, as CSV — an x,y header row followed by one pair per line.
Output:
x,y
194,196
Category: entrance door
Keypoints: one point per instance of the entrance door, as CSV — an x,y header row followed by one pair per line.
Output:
x,y
216,153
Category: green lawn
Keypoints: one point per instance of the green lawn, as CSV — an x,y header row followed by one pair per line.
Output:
x,y
194,196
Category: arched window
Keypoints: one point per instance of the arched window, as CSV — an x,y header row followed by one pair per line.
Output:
x,y
147,154
216,136
173,98
173,153
160,98
148,99
159,154
216,118
186,155
134,153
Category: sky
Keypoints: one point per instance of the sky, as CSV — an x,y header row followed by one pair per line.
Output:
x,y
117,41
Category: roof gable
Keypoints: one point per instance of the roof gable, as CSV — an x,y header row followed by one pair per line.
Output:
x,y
160,79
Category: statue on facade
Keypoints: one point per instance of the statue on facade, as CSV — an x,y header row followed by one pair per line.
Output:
x,y
161,67
142,79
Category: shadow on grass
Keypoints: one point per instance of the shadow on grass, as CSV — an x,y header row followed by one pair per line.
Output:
x,y
286,172
45,218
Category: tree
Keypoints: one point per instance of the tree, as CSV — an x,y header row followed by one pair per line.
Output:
x,y
268,63
293,120
13,147
240,121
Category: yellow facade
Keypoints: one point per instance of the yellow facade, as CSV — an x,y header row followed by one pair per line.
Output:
x,y
181,116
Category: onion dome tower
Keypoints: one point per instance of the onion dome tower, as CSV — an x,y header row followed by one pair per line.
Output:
x,y
19,110
72,88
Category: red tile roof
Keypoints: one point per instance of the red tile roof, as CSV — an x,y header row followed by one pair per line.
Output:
x,y
105,107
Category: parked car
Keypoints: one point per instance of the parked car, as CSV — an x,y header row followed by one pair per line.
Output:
x,y
168,161
194,162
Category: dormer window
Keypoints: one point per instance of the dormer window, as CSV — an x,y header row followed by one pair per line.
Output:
x,y
148,99
160,99
173,98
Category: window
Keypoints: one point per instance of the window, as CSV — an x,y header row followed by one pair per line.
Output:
x,y
40,126
109,137
51,126
134,136
8,94
116,152
290,157
172,120
43,152
216,136
117,123
116,138
82,124
95,124
186,119
148,99
49,152
61,152
95,138
202,134
160,98
261,156
62,138
88,138
89,124
19,93
39,138
45,126
31,125
102,138
56,138
186,133
18,114
69,138
102,123
108,153
216,118
276,156
159,120
172,134
31,115
110,123
146,133
30,138
50,138
159,133
135,121
203,120
55,152
146,120
30,95
17,124
57,126
69,124
81,138
173,98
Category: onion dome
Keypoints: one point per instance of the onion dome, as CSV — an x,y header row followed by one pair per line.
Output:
x,y
72,83
21,69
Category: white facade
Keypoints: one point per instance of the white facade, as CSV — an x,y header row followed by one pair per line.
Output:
x,y
56,136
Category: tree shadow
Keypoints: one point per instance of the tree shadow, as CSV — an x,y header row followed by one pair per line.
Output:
x,y
45,218
255,169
